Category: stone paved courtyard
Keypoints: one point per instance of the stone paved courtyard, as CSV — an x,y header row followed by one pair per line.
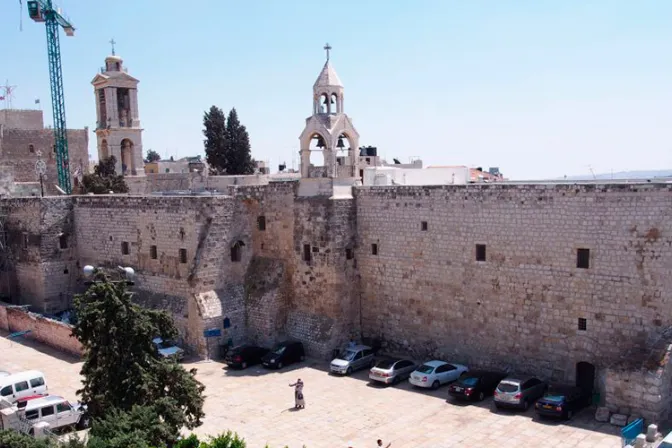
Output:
x,y
258,405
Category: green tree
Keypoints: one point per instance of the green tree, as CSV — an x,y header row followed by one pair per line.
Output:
x,y
122,367
216,140
153,156
239,160
13,439
104,179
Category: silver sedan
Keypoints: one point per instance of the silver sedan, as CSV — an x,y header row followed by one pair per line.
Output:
x,y
392,370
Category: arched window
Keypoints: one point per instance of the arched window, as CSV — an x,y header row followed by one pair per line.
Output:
x,y
335,106
237,251
31,149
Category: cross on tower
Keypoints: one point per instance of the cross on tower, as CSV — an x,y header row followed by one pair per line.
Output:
x,y
327,48
112,42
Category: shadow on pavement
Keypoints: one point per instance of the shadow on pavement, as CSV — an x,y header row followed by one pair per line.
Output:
x,y
40,347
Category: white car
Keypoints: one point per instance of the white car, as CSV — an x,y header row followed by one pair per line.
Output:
x,y
55,410
435,373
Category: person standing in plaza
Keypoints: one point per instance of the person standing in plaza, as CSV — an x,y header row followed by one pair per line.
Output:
x,y
298,394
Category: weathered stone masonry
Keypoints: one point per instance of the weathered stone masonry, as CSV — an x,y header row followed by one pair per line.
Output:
x,y
285,260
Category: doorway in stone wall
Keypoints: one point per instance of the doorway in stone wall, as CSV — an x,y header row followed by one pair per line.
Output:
x,y
585,377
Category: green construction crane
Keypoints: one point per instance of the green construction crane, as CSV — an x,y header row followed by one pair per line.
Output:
x,y
43,11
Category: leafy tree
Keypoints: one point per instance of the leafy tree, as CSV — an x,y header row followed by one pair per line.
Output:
x,y
216,140
13,439
239,160
122,367
227,143
141,427
153,156
104,179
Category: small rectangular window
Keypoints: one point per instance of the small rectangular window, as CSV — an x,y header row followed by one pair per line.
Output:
x,y
583,324
20,387
63,241
63,407
183,255
374,249
49,410
423,226
124,248
25,240
306,252
583,258
37,382
32,414
480,252
261,223
361,173
153,253
348,254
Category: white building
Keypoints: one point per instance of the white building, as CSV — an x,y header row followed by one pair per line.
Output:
x,y
390,175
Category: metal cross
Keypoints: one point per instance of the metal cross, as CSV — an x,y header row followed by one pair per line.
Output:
x,y
112,42
327,48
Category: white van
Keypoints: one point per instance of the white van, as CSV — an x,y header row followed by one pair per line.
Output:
x,y
55,410
20,385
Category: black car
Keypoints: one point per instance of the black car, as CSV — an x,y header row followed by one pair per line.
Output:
x,y
562,401
284,353
476,385
245,355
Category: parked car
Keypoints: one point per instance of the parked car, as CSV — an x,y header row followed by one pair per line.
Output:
x,y
168,349
245,355
476,385
283,354
435,373
518,391
16,386
353,358
392,370
23,401
55,410
562,401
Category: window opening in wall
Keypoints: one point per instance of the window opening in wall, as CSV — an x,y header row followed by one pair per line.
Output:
x,y
25,240
153,252
54,149
183,255
423,226
237,251
124,248
316,249
65,271
261,223
306,252
374,249
361,173
480,252
583,324
63,241
583,258
31,148
348,254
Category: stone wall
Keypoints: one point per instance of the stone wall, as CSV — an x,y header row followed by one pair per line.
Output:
x,y
195,182
426,294
50,332
21,119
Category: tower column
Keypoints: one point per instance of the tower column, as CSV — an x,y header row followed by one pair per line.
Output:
x,y
305,162
135,116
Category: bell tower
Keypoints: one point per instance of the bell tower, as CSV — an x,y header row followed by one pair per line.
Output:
x,y
329,129
118,128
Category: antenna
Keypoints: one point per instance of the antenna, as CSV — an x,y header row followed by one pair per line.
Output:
x,y
7,94
591,171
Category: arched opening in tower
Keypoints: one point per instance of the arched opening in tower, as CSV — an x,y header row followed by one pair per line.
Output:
x,y
335,106
343,145
324,104
126,156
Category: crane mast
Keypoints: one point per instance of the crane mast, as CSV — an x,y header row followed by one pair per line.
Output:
x,y
43,11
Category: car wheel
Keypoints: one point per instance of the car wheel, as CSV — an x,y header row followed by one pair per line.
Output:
x,y
396,379
436,384
569,415
349,371
279,365
244,365
497,406
481,396
526,405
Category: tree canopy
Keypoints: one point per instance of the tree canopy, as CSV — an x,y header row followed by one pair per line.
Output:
x,y
122,367
104,179
153,156
227,143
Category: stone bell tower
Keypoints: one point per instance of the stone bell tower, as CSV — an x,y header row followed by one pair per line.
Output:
x,y
330,129
118,122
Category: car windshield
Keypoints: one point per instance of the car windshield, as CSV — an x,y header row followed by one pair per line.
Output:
x,y
165,344
386,363
348,355
280,349
425,369
507,387
554,398
469,381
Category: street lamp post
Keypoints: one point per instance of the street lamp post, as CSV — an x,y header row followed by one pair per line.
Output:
x,y
90,274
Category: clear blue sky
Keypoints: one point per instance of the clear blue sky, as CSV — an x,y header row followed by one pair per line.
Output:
x,y
539,88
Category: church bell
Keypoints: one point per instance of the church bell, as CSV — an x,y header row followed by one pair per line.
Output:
x,y
340,143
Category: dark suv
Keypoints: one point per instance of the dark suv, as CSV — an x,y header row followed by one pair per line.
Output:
x,y
245,355
476,385
284,353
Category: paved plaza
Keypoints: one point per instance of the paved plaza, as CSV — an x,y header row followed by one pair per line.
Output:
x,y
258,404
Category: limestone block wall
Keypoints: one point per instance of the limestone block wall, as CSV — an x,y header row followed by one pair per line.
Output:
x,y
15,153
22,119
527,305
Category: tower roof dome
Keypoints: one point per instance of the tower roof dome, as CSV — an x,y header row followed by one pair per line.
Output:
x,y
328,77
